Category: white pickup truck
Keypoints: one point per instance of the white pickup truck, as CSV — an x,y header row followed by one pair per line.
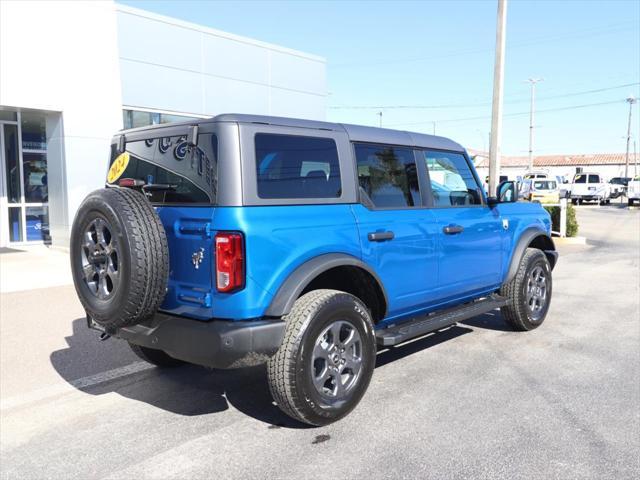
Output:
x,y
633,191
590,187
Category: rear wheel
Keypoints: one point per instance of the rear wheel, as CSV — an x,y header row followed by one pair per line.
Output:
x,y
326,360
529,292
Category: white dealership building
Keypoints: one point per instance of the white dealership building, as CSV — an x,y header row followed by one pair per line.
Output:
x,y
72,73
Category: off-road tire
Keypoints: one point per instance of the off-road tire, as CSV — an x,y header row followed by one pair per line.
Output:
x,y
156,357
289,370
143,257
516,312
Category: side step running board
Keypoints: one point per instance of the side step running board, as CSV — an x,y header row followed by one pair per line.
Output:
x,y
416,327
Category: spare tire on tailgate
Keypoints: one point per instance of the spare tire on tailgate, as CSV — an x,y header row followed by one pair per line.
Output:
x,y
119,257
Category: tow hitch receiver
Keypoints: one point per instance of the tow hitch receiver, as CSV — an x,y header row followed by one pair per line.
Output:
x,y
93,325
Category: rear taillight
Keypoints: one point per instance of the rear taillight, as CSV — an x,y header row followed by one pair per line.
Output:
x,y
229,261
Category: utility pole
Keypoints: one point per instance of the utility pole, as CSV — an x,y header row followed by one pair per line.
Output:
x,y
532,110
635,160
380,115
496,113
434,127
631,101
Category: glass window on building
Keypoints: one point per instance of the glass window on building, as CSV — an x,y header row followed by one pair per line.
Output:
x,y
23,164
12,163
8,115
34,168
34,131
136,118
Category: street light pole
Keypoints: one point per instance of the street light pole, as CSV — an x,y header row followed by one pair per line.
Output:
x,y
380,115
532,110
496,114
631,101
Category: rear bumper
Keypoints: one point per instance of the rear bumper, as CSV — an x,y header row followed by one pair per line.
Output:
x,y
215,344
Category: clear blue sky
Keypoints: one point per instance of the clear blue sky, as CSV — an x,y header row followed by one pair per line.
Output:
x,y
441,53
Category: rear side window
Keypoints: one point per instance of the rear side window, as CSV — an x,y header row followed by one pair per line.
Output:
x,y
291,166
387,174
594,178
452,182
188,173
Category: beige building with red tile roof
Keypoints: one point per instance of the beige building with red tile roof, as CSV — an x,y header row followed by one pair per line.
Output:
x,y
608,165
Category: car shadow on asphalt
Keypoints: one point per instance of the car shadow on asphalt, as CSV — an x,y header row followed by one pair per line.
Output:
x,y
489,321
191,390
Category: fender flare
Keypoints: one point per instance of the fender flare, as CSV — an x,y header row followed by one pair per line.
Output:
x,y
524,241
297,281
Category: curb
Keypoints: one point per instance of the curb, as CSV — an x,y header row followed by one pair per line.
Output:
x,y
570,240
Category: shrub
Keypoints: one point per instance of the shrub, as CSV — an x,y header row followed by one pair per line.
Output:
x,y
572,222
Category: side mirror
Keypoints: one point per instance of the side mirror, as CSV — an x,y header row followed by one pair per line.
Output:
x,y
507,192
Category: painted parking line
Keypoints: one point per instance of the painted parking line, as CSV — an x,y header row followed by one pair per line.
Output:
x,y
73,386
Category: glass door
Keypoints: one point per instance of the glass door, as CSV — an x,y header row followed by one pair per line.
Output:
x,y
23,159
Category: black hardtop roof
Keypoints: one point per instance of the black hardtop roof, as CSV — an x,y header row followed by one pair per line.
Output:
x,y
357,133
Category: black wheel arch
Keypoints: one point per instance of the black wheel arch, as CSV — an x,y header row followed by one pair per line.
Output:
x,y
298,281
531,238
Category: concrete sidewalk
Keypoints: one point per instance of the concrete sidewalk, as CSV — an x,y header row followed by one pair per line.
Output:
x,y
33,267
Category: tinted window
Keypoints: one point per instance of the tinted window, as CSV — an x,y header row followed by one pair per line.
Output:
x,y
388,175
544,184
452,182
189,172
594,178
289,166
580,179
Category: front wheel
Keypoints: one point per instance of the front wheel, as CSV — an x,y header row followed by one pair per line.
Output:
x,y
326,360
529,292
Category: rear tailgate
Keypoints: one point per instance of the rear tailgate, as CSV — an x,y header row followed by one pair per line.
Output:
x,y
191,260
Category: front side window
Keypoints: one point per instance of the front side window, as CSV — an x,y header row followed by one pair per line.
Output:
x,y
452,181
188,173
580,178
387,175
291,166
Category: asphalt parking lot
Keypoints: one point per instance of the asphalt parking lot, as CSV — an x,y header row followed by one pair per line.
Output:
x,y
477,400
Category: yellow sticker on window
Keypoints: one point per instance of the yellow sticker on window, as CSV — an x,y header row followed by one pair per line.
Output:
x,y
118,167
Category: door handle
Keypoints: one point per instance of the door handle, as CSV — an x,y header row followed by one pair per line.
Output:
x,y
380,236
453,229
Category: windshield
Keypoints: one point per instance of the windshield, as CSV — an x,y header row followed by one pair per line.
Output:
x,y
545,185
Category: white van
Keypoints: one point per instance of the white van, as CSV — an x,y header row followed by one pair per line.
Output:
x,y
590,187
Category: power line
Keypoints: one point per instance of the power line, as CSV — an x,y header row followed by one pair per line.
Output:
x,y
484,117
469,105
612,28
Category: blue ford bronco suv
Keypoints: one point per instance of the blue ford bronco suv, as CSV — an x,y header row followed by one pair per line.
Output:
x,y
242,240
